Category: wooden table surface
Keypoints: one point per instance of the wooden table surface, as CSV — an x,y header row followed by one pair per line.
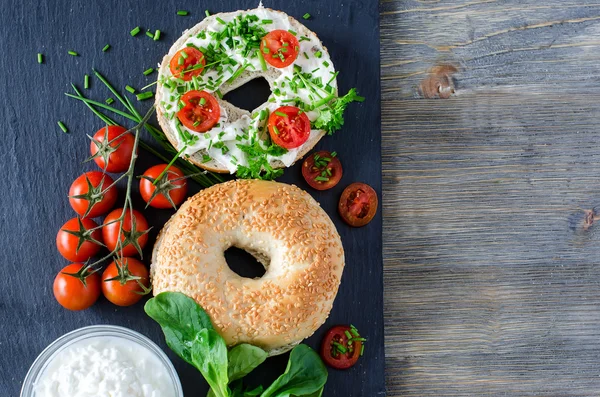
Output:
x,y
491,197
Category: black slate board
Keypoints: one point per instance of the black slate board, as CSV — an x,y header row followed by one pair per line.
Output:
x,y
39,162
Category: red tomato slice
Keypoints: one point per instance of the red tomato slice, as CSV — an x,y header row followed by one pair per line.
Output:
x,y
358,204
279,48
339,351
116,155
201,111
289,127
186,59
322,170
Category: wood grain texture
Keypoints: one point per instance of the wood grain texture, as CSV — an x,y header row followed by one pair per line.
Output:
x,y
491,247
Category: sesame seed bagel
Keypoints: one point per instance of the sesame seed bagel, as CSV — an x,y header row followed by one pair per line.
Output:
x,y
285,229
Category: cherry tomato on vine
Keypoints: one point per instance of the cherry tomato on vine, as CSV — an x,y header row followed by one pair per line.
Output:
x,y
112,148
88,197
134,239
76,287
168,192
125,281
76,241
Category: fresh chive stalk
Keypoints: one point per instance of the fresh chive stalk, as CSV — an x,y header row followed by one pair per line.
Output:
x,y
148,71
73,53
130,89
182,13
105,48
156,36
63,127
134,31
86,82
144,95
40,58
150,34
306,16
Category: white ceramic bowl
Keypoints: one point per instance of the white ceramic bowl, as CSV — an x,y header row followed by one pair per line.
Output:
x,y
46,356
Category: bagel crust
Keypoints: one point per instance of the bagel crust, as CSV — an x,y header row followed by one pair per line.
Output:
x,y
285,229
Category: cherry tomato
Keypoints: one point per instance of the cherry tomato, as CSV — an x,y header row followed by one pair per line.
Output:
x,y
87,196
168,192
186,59
279,48
75,241
339,351
122,281
289,127
139,237
76,287
110,154
358,204
322,170
200,112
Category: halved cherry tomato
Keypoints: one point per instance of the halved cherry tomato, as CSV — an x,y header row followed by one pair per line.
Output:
x,y
322,170
340,351
130,238
76,242
279,48
200,112
289,127
358,204
187,59
87,196
122,281
168,192
76,287
110,154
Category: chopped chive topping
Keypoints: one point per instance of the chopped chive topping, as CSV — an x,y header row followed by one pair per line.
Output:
x,y
144,95
348,334
318,54
148,71
222,22
281,114
130,89
362,350
40,58
109,101
219,94
184,54
263,64
321,179
156,36
325,63
182,13
305,55
306,16
207,13
63,127
263,114
266,21
86,81
275,130
202,101
292,32
135,31
149,34
105,48
333,154
303,38
205,157
73,53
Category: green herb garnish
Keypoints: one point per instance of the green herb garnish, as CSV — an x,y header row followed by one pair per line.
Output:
x,y
134,31
182,13
40,58
63,127
73,53
105,48
306,16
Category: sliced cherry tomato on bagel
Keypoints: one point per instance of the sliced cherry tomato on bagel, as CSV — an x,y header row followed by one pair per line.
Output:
x,y
112,148
88,197
76,287
358,204
76,242
125,281
168,192
187,63
289,127
279,48
200,112
322,170
342,346
133,239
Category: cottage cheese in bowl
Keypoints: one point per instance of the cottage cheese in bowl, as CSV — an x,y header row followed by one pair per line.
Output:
x,y
102,361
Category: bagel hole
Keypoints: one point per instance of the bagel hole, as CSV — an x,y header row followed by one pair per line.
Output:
x,y
243,263
250,95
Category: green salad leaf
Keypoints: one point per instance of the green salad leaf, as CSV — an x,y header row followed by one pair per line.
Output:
x,y
190,333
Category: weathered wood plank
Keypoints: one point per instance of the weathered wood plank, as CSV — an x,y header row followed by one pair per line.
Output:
x,y
490,243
